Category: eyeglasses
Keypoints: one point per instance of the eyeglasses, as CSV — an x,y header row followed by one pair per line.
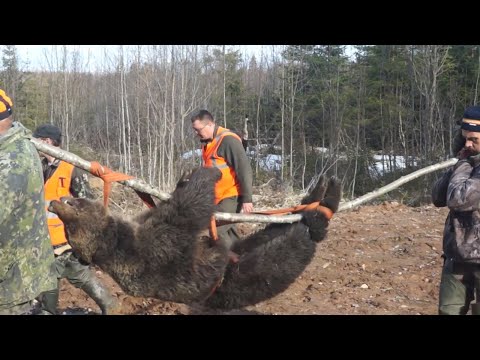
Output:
x,y
200,129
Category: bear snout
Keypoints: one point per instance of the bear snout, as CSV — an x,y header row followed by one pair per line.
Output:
x,y
51,206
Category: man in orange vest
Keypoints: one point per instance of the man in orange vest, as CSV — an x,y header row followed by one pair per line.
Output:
x,y
223,149
64,179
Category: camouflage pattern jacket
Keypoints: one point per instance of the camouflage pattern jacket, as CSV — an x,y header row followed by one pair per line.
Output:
x,y
459,189
26,257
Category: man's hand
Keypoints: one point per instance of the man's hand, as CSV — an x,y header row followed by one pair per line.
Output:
x,y
474,160
464,153
247,207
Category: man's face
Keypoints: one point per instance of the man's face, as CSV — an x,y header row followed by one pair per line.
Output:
x,y
5,124
203,129
472,141
46,141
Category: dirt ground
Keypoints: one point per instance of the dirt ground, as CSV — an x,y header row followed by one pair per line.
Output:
x,y
377,259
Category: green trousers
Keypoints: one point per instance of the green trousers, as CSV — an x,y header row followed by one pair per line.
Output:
x,y
459,286
81,276
228,233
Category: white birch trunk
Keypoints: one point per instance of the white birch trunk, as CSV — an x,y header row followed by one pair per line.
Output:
x,y
140,185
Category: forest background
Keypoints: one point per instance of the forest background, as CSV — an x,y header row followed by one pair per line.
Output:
x,y
367,114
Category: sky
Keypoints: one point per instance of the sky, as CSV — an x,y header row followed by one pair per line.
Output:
x,y
33,56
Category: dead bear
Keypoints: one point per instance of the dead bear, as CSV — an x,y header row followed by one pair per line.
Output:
x,y
165,252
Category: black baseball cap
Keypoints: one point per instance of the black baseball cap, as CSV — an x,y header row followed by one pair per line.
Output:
x,y
48,131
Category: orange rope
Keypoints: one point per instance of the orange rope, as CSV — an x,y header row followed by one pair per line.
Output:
x,y
213,228
295,209
108,176
215,287
315,206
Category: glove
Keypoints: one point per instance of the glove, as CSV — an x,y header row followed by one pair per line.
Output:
x,y
458,142
464,153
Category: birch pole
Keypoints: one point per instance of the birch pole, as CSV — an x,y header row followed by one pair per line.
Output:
x,y
142,186
76,160
396,184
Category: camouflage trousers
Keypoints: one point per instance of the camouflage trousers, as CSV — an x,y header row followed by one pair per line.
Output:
x,y
19,309
459,286
81,276
228,233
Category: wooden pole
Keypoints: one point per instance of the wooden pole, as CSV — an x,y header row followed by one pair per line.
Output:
x,y
142,186
397,183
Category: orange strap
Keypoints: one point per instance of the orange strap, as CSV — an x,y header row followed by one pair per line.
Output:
x,y
295,209
233,258
108,176
213,228
215,287
315,206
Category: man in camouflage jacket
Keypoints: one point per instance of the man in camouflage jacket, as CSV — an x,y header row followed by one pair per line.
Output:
x,y
26,257
459,189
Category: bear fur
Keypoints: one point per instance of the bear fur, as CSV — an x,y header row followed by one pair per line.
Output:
x,y
166,253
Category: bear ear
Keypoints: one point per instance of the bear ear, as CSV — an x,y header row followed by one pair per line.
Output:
x,y
206,174
217,174
185,178
79,203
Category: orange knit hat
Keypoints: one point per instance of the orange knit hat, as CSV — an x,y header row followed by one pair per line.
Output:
x,y
6,105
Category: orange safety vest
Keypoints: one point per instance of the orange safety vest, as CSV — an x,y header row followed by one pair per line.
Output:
x,y
58,185
228,185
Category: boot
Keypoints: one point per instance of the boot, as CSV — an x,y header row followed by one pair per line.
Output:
x,y
97,291
476,309
48,302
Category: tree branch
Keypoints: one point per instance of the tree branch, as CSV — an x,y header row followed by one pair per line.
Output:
x,y
73,159
142,186
396,184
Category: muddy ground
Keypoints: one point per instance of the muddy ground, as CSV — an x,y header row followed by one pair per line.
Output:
x,y
377,259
